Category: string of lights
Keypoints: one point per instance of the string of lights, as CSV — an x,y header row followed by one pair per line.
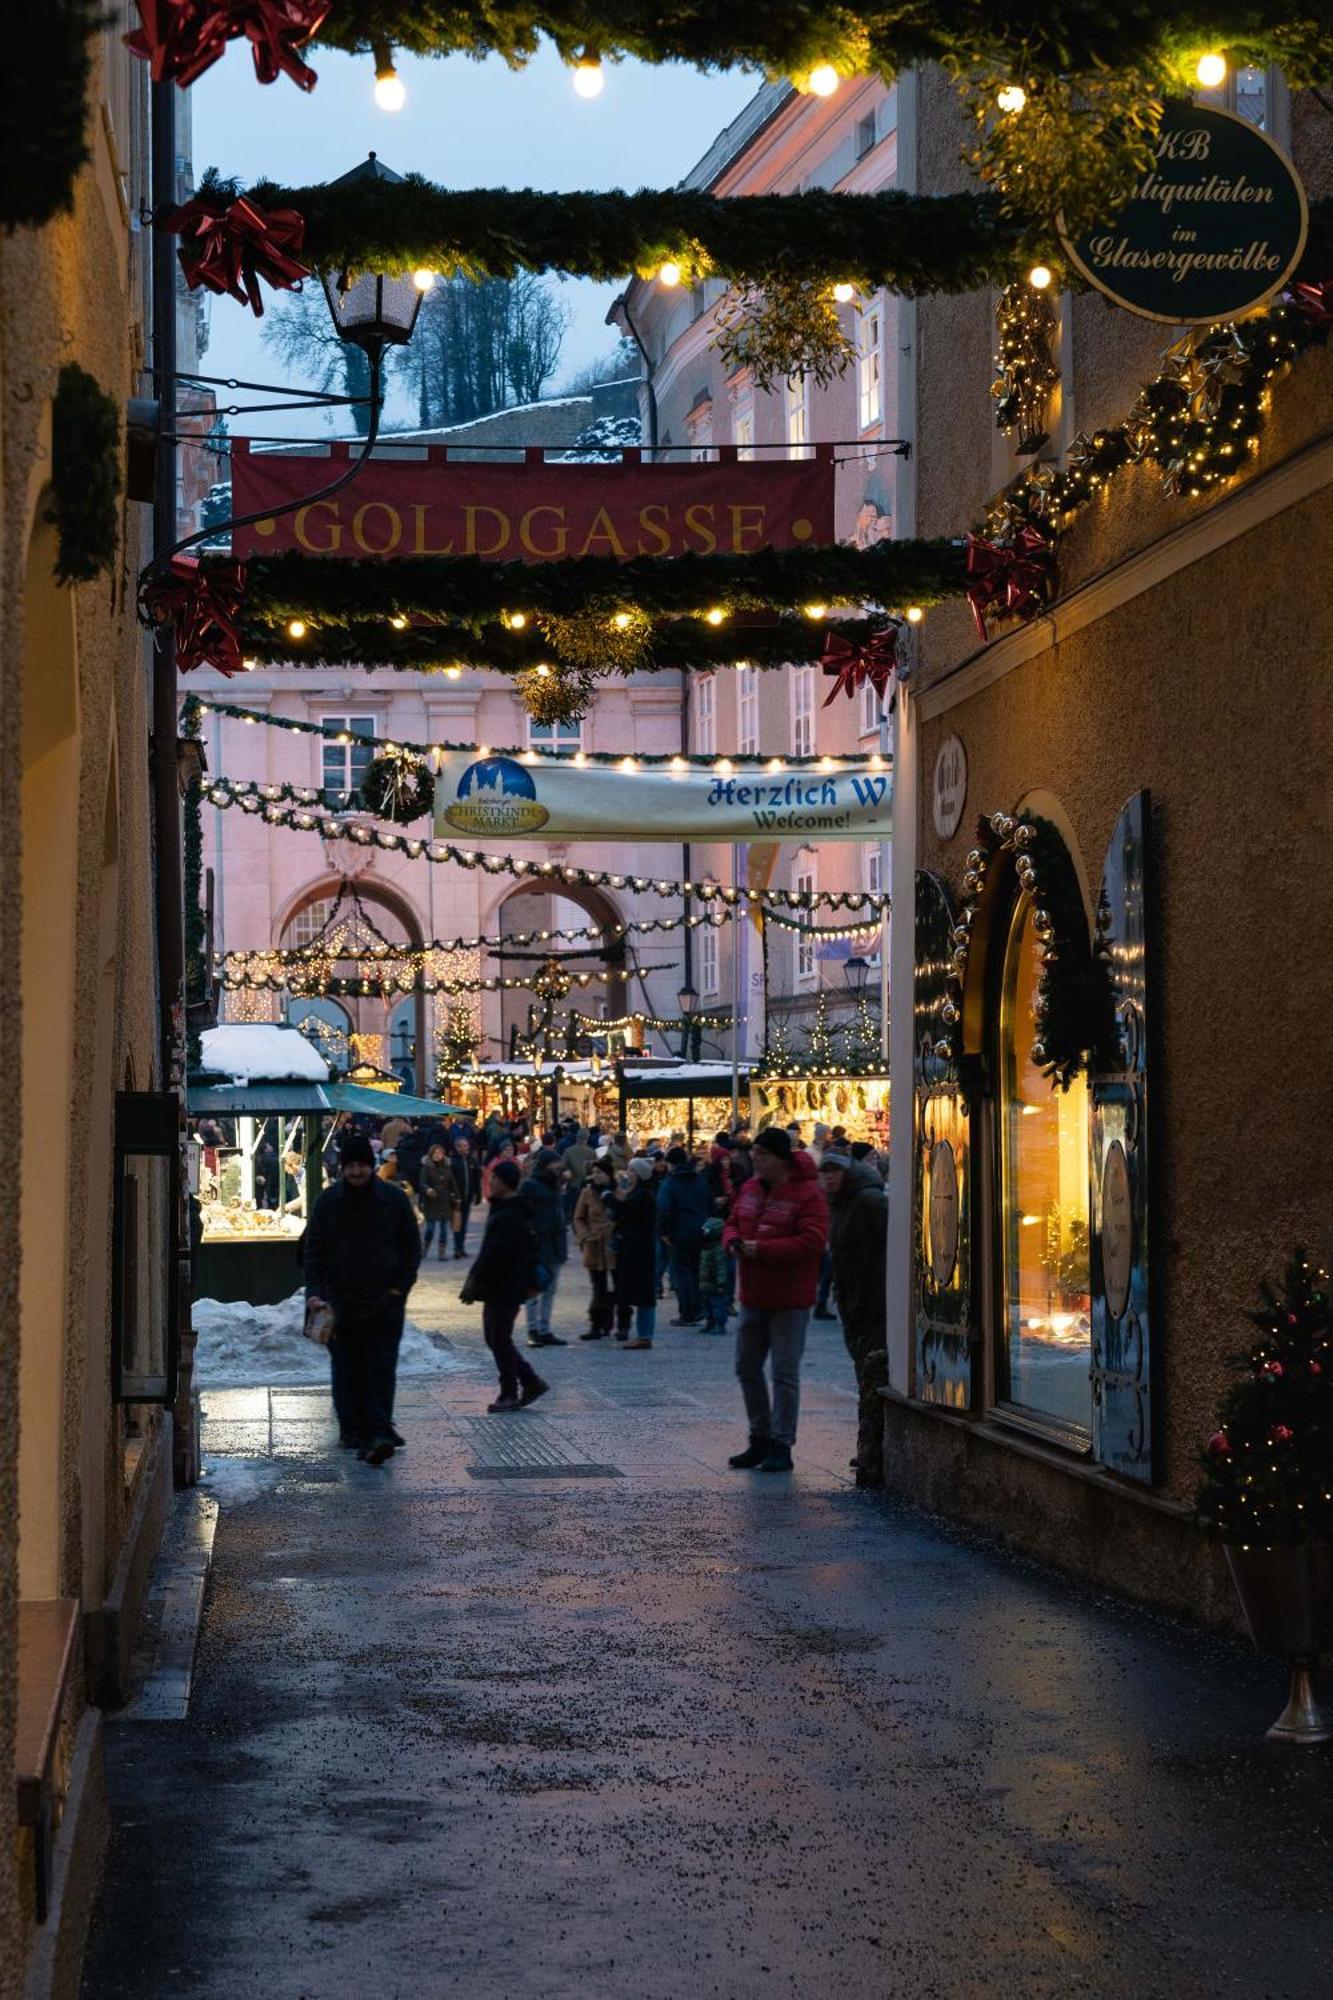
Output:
x,y
289,979
590,1024
271,804
641,760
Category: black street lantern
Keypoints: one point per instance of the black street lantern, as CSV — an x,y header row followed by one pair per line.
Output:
x,y
370,309
856,971
687,1000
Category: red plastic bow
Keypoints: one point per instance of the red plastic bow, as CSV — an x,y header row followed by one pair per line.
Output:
x,y
180,39
1315,301
203,605
1014,579
229,245
851,666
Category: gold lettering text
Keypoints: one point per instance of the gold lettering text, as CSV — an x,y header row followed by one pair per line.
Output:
x,y
740,528
393,530
419,547
560,534
603,530
303,540
650,525
471,546
696,525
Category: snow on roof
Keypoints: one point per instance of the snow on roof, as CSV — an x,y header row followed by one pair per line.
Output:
x,y
247,1050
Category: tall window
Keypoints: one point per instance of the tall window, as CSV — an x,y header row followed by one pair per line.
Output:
x,y
747,712
865,135
708,962
804,884
699,425
705,713
868,395
1044,1143
872,708
802,711
872,864
742,430
555,739
796,409
348,753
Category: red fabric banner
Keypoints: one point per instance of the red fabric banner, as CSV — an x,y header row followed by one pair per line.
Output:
x,y
536,511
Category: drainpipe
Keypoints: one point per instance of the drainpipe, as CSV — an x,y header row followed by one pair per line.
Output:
x,y
619,315
165,789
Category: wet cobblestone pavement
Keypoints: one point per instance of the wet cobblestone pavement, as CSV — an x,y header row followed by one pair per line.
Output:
x,y
557,1705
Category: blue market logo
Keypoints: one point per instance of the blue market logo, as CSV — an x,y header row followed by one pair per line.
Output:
x,y
496,795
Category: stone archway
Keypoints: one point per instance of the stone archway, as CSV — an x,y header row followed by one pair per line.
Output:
x,y
529,907
394,917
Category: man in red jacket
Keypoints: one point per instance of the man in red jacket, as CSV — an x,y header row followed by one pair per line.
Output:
x,y
776,1231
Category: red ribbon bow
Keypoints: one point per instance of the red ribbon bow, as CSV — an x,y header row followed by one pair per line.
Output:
x,y
230,245
180,39
851,666
203,605
1013,579
1315,301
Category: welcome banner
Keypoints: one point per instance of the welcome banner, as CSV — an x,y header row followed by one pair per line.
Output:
x,y
537,511
491,796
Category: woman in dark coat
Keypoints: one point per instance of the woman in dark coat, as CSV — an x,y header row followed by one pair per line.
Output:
x,y
501,1278
636,1254
467,1182
438,1194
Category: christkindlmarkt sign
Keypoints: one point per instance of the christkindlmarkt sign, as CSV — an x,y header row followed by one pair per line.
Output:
x,y
416,501
1215,228
490,796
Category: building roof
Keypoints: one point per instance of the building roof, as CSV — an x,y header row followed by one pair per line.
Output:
x,y
734,139
261,1051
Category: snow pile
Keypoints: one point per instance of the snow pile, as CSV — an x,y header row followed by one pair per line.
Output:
x,y
248,1049
242,1347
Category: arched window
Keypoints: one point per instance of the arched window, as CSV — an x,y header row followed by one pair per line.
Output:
x,y
324,1023
1044,1155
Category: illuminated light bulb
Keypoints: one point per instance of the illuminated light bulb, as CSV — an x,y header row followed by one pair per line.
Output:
x,y
528,757
453,673
774,764
579,759
483,750
1211,70
725,766
621,621
741,666
876,761
1039,277
679,764
1012,98
248,666
715,616
844,293
914,614
628,764
543,671
588,77
828,764
390,93
296,628
816,610
516,620
423,279
669,274
823,80
398,622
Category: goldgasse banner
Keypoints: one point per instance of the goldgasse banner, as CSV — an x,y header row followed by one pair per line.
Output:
x,y
537,511
489,797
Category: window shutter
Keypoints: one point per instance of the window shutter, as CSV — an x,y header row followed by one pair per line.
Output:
x,y
1121,1327
942,1207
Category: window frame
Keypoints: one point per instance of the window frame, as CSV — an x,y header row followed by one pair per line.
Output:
x,y
704,706
342,798
747,712
796,416
870,368
805,961
803,711
554,739
710,962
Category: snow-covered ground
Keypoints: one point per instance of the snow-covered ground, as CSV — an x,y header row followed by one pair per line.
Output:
x,y
243,1347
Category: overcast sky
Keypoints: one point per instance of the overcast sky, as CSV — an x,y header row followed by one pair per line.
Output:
x,y
466,124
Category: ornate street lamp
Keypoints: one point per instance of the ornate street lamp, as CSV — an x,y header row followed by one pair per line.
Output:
x,y
687,1000
370,309
856,971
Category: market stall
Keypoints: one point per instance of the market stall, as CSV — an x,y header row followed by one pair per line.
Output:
x,y
658,1098
858,1103
584,1088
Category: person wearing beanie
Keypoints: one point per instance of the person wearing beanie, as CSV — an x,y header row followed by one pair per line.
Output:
x,y
636,1253
859,1208
777,1232
501,1278
544,1197
361,1253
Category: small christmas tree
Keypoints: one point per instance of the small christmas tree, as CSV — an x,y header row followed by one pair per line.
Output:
x,y
455,1045
779,1057
820,1052
861,1040
1268,1469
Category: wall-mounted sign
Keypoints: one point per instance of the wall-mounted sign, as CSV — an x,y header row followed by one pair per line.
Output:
x,y
943,1212
1117,1230
1214,228
948,791
427,504
494,794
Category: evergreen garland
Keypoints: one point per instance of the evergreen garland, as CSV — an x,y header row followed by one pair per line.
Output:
x,y
85,475
43,110
1268,1468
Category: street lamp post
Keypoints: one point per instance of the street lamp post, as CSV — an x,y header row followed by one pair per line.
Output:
x,y
687,1000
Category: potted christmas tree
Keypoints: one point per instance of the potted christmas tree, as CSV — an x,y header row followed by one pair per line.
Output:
x,y
1267,1489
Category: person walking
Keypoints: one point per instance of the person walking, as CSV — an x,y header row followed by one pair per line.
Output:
x,y
501,1278
467,1190
578,1156
636,1254
716,1271
594,1232
543,1193
684,1203
438,1193
858,1233
361,1256
777,1231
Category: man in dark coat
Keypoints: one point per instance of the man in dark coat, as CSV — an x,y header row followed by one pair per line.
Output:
x,y
684,1204
544,1198
362,1250
500,1278
859,1221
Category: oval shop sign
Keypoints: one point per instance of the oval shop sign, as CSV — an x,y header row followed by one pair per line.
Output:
x,y
1214,228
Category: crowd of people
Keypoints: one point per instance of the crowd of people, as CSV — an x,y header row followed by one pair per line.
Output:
x,y
765,1228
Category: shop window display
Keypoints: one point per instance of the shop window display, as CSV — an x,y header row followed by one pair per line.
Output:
x,y
1044,1209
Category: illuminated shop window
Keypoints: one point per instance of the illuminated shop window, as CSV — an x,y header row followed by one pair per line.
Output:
x,y
1044,1210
